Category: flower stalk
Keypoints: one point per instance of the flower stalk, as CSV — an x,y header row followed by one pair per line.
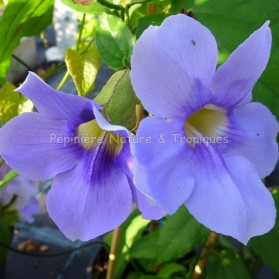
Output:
x,y
199,267
113,252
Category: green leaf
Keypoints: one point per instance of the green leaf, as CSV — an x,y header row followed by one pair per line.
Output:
x,y
21,18
83,68
178,236
139,275
6,237
119,99
267,246
169,269
146,21
226,265
94,8
10,217
7,178
10,102
114,41
130,231
224,17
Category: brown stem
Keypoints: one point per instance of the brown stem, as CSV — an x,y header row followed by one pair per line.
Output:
x,y
154,225
199,267
113,252
151,8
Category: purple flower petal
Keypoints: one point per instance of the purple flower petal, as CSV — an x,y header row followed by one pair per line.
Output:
x,y
192,46
30,209
57,104
125,163
172,66
149,209
105,125
91,205
228,196
252,134
22,188
161,169
235,79
30,145
172,70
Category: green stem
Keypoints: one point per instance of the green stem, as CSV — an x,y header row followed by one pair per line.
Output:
x,y
110,5
63,81
80,31
127,15
7,178
138,2
87,47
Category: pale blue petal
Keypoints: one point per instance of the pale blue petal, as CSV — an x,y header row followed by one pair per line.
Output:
x,y
85,203
55,103
37,146
30,209
252,134
149,209
172,66
229,197
235,79
161,169
105,125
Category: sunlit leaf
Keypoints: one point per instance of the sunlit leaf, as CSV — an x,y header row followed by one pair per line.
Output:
x,y
21,18
10,102
7,178
83,68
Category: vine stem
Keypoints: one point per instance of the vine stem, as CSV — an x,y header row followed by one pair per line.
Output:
x,y
199,267
63,81
8,177
110,5
80,31
113,252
